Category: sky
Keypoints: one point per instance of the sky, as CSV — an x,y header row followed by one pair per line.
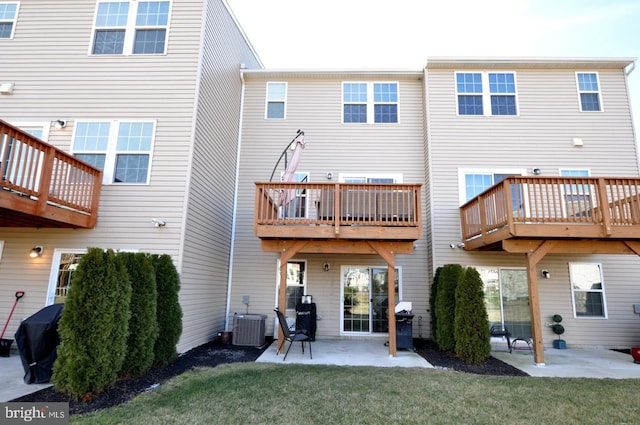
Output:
x,y
401,34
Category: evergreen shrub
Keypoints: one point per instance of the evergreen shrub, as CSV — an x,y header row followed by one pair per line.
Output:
x,y
445,305
169,312
471,330
143,324
94,326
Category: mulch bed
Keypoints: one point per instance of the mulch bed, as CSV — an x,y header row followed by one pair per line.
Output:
x,y
213,354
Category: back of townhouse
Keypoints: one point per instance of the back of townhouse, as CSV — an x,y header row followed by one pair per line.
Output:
x,y
150,93
488,119
346,142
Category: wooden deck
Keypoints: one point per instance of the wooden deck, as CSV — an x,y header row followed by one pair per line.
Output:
x,y
41,186
338,218
332,211
552,208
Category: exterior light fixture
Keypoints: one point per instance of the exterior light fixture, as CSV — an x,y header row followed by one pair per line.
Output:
x,y
327,267
158,223
60,124
36,251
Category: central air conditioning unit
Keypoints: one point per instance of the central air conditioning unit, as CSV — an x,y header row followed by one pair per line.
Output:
x,y
248,329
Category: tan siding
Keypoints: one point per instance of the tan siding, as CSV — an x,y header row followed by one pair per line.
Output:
x,y
56,78
314,106
541,136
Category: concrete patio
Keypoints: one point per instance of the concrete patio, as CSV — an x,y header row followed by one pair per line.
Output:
x,y
574,363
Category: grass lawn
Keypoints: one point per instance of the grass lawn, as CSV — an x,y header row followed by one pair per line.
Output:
x,y
253,393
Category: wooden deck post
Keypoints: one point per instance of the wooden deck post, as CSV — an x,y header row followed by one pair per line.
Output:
x,y
285,256
388,255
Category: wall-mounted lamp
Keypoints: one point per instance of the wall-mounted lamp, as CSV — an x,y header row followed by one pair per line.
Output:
x,y
36,251
545,274
327,267
158,223
60,124
329,175
536,171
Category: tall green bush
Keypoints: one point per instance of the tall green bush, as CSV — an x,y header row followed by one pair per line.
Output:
x,y
445,305
432,303
94,326
471,321
143,324
169,312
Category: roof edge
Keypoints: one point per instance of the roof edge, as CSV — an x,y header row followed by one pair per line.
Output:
x,y
608,62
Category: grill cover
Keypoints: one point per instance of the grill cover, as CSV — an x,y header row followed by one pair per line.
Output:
x,y
37,339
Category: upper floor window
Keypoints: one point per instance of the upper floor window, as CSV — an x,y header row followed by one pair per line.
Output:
x,y
131,27
8,17
370,102
121,149
486,93
473,182
589,90
276,100
587,288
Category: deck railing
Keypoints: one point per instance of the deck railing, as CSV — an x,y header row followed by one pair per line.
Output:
x,y
577,206
336,205
35,170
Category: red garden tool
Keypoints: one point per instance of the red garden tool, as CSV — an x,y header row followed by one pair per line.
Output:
x,y
5,344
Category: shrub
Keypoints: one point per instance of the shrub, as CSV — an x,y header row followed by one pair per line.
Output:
x,y
94,326
445,305
471,321
432,302
169,313
143,324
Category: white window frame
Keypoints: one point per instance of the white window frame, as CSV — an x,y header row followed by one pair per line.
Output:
x,y
463,172
567,172
270,98
368,267
130,28
111,153
598,92
291,283
358,178
486,93
1,249
370,102
300,176
574,291
13,22
55,268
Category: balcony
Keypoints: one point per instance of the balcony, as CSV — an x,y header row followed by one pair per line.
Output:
x,y
552,208
43,187
338,211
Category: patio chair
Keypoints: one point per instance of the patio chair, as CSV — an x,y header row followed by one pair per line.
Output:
x,y
291,335
499,330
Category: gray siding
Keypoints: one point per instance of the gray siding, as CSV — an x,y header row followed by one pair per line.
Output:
x,y
314,106
540,136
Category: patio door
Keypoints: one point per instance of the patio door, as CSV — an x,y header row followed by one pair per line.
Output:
x,y
364,293
507,299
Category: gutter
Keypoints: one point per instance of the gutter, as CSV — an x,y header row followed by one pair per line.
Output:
x,y
234,217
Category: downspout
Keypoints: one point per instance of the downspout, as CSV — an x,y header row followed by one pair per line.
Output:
x,y
234,217
627,71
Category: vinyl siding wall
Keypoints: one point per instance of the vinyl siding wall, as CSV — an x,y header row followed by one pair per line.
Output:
x,y
56,78
314,106
539,137
209,211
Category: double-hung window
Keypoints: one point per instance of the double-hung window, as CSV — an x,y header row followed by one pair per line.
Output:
x,y
276,101
474,182
8,18
121,149
577,195
587,288
486,93
589,91
366,102
131,27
